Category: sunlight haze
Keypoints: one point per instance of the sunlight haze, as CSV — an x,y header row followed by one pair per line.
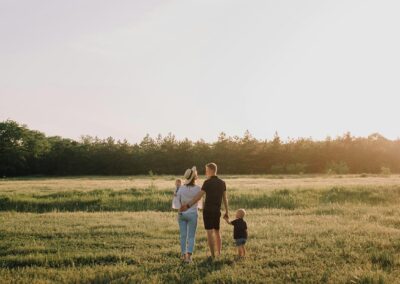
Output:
x,y
196,68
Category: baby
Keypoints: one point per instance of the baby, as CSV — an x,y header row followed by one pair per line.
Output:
x,y
178,184
239,231
175,201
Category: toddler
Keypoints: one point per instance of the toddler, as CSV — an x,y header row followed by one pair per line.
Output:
x,y
239,231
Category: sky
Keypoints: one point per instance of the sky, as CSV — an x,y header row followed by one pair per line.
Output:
x,y
196,68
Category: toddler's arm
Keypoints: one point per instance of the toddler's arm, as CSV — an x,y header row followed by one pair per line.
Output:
x,y
226,218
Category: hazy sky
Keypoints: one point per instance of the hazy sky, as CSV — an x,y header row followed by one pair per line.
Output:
x,y
196,68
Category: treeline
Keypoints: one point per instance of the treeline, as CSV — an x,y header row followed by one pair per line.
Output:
x,y
29,152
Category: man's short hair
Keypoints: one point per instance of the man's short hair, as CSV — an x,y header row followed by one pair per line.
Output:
x,y
212,166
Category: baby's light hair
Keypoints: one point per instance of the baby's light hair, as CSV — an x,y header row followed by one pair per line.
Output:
x,y
178,180
241,212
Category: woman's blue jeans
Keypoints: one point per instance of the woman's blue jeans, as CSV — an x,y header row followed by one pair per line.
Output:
x,y
187,228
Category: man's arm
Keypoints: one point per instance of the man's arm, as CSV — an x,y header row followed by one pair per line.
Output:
x,y
196,198
225,200
226,218
193,201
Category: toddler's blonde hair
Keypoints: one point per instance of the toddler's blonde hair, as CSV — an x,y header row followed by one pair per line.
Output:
x,y
241,212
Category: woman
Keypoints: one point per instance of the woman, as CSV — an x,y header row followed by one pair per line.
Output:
x,y
188,220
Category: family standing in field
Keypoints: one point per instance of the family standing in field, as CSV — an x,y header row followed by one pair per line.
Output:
x,y
188,200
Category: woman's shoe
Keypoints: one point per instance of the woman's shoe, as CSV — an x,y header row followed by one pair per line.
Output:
x,y
188,258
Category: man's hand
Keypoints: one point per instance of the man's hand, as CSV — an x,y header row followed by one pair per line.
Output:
x,y
226,216
183,208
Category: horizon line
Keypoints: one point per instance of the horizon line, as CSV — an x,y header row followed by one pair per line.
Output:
x,y
221,133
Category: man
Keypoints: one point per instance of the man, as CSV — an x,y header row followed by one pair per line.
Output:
x,y
215,190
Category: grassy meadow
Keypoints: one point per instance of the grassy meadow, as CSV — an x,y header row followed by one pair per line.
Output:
x,y
302,229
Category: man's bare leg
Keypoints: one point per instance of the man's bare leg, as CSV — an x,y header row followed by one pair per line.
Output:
x,y
218,242
211,242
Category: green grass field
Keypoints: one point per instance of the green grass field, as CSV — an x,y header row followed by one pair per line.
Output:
x,y
302,229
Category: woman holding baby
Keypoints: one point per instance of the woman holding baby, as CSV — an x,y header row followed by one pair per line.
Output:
x,y
188,219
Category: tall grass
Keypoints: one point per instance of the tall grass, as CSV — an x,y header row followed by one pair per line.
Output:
x,y
327,234
153,199
285,246
91,201
283,199
353,195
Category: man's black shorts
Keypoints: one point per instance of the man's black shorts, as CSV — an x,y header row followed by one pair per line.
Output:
x,y
211,220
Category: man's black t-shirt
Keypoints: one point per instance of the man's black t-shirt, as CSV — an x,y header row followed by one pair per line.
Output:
x,y
214,188
239,229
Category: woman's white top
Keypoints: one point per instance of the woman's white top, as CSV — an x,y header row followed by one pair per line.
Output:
x,y
185,194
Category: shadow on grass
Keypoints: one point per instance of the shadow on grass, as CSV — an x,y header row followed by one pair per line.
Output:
x,y
57,262
189,273
384,260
